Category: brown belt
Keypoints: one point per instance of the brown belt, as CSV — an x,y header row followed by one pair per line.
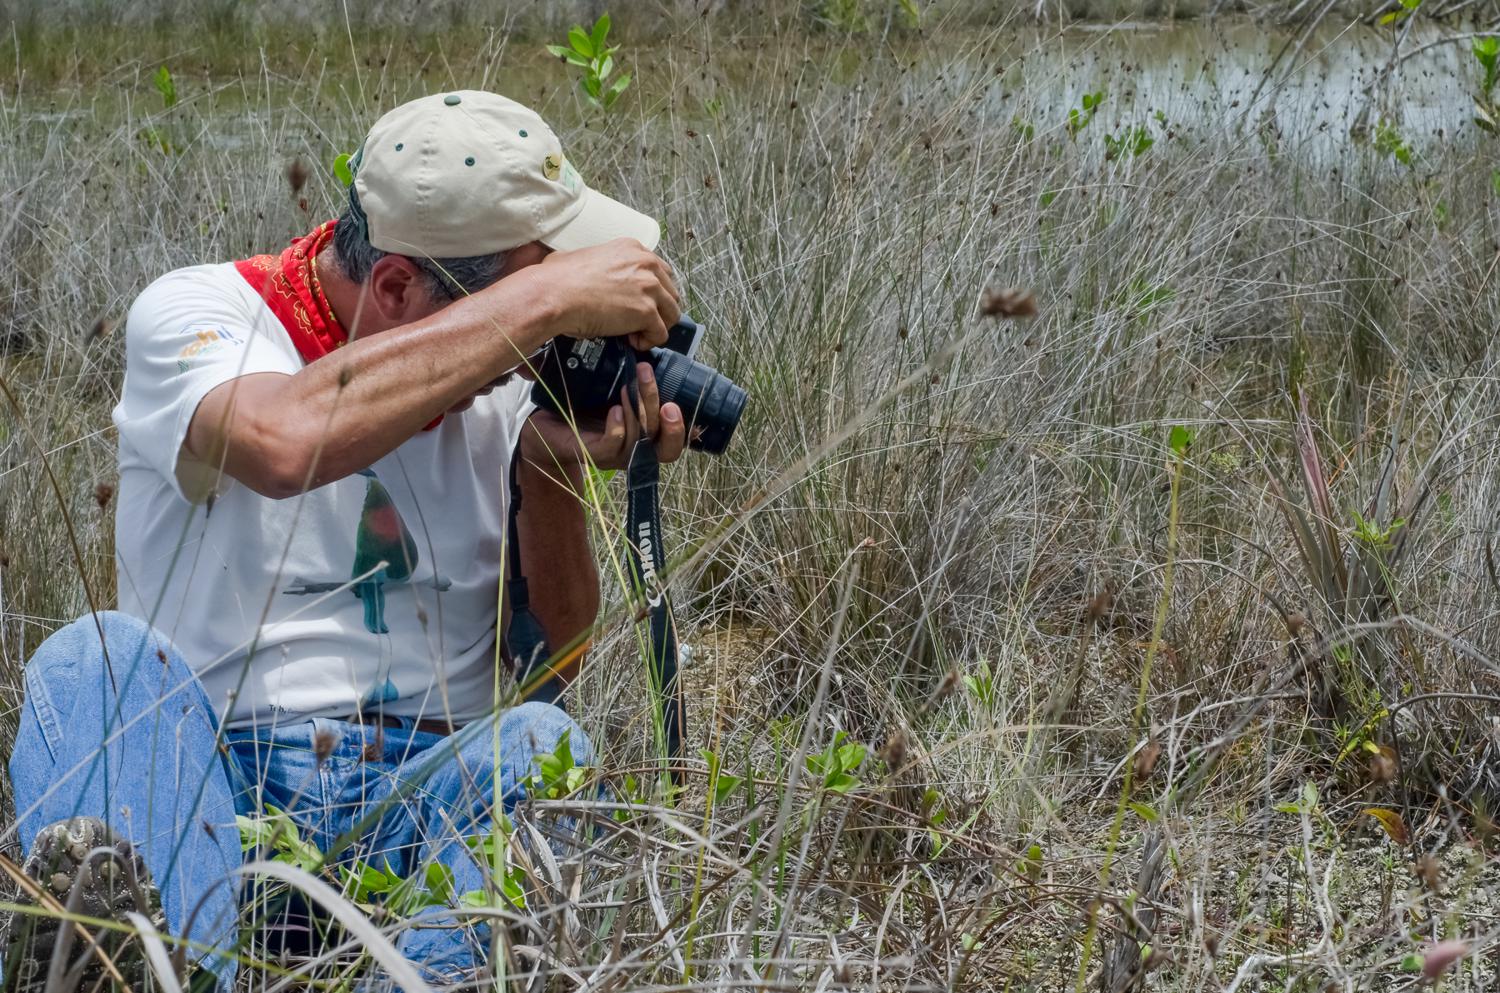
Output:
x,y
431,725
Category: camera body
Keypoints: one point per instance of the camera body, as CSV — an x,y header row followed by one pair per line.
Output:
x,y
584,377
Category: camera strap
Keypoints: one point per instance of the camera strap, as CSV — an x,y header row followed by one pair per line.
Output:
x,y
648,561
526,642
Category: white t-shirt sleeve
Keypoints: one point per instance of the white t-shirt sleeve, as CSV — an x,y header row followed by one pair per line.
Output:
x,y
515,396
188,332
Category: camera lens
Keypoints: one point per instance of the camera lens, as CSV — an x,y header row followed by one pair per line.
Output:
x,y
710,401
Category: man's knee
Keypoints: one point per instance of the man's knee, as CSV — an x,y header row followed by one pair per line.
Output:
x,y
87,687
99,646
536,729
498,764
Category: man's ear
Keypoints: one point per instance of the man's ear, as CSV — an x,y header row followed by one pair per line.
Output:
x,y
399,290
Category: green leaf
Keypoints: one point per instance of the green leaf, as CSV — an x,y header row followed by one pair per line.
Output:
x,y
841,782
483,847
341,170
439,884
1047,197
1495,181
1031,863
725,786
365,880
561,51
1145,812
618,86
606,67
850,756
601,31
1411,963
166,86
512,888
1180,439
580,41
255,832
1309,797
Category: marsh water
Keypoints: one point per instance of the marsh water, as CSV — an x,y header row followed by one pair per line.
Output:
x,y
1310,88
1305,91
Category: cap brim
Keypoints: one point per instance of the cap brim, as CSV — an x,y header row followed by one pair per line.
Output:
x,y
603,219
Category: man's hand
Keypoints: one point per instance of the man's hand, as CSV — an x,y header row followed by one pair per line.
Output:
x,y
614,288
548,440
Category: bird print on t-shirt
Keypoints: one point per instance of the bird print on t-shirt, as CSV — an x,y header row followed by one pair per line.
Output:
x,y
384,552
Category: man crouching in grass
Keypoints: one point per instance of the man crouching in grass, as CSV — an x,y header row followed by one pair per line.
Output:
x,y
311,530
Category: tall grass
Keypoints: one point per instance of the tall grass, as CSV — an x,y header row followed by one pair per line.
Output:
x,y
968,583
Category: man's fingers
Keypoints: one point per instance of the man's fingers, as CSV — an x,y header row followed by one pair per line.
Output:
x,y
668,307
650,404
609,447
668,279
655,331
632,422
672,438
557,438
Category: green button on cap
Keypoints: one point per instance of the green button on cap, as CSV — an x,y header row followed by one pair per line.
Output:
x,y
452,99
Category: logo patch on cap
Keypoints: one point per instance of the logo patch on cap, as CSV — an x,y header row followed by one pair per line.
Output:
x,y
552,166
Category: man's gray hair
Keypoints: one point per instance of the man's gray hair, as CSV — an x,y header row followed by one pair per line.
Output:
x,y
451,278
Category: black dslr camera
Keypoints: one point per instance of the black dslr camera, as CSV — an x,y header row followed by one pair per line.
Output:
x,y
585,376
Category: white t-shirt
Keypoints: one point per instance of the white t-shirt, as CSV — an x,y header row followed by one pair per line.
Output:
x,y
378,591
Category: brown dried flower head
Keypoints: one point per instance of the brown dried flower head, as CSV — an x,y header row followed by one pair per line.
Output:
x,y
296,175
1145,759
102,327
1441,956
893,752
1100,603
1008,303
1429,872
1382,767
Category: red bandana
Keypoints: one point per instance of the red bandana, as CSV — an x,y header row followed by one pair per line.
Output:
x,y
288,283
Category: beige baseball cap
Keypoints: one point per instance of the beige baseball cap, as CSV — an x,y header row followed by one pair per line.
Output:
x,y
470,173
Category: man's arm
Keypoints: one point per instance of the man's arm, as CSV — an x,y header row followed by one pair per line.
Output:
x,y
561,577
555,556
281,435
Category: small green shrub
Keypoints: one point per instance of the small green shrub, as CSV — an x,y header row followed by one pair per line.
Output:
x,y
591,52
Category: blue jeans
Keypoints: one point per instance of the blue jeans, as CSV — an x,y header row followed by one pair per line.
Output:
x,y
121,730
